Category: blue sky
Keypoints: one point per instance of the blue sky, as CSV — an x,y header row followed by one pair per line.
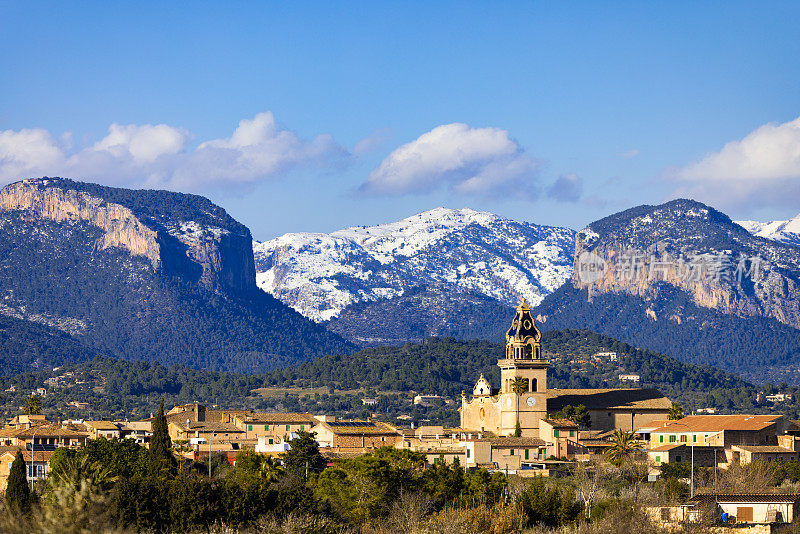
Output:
x,y
362,113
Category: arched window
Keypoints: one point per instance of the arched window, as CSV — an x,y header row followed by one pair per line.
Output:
x,y
534,385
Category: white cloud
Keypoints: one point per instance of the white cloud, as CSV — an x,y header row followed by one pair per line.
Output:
x,y
160,156
629,153
143,144
762,169
478,161
24,153
567,188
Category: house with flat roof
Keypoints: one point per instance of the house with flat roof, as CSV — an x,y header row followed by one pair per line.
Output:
x,y
750,508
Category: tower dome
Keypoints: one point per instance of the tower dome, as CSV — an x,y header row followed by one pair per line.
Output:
x,y
523,338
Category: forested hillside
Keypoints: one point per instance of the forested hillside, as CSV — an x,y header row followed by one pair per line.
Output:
x,y
181,292
336,384
448,366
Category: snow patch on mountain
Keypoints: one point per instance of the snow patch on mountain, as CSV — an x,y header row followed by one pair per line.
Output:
x,y
321,274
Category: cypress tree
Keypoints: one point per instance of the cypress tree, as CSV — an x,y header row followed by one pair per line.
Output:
x,y
18,495
160,443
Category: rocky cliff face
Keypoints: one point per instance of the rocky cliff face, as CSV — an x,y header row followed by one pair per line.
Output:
x,y
218,258
696,249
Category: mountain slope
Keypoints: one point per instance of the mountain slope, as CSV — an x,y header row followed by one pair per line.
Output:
x,y
147,275
423,312
442,250
682,278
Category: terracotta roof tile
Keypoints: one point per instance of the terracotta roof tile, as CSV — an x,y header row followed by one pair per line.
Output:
x,y
718,423
600,399
284,418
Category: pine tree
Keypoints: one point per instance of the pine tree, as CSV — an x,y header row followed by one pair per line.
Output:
x,y
160,443
18,495
518,430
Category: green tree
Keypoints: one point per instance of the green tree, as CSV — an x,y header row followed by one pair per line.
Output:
x,y
304,457
675,412
18,495
33,405
624,446
519,386
518,429
161,458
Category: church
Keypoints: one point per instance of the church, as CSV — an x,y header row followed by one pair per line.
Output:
x,y
523,394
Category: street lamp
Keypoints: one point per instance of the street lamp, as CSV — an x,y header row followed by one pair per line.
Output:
x,y
33,458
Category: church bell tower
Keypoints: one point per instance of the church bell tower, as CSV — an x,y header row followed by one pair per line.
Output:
x,y
524,367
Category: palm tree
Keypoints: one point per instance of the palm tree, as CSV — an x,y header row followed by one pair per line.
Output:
x,y
270,469
675,412
519,386
624,446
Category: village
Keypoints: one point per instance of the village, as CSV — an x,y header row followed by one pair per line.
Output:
x,y
522,430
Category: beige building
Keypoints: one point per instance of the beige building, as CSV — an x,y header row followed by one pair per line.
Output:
x,y
48,436
278,426
103,429
498,410
352,436
36,465
735,438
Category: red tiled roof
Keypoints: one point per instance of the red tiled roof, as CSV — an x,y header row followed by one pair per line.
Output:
x,y
718,423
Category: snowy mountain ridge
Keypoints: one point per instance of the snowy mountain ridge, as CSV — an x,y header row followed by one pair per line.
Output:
x,y
783,231
321,274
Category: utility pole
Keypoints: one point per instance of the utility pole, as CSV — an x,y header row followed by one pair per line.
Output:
x,y
715,470
692,479
306,469
209,456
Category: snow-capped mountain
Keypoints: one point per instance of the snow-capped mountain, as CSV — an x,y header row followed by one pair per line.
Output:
x,y
783,231
321,274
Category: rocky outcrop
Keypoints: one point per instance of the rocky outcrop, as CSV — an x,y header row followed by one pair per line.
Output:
x,y
122,228
694,248
218,259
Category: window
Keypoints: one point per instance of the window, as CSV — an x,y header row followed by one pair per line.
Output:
x,y
302,427
287,428
661,438
677,458
683,439
467,453
744,514
694,438
658,458
526,454
572,433
672,439
512,452
555,433
270,441
250,427
266,427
